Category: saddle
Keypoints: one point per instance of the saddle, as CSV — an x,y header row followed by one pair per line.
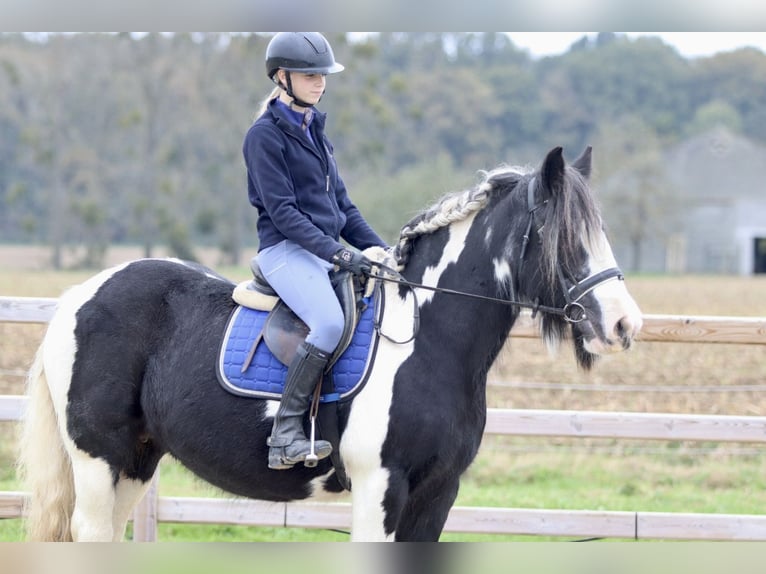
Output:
x,y
283,330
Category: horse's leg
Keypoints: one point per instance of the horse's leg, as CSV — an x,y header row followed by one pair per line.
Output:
x,y
94,499
103,506
128,494
423,518
368,513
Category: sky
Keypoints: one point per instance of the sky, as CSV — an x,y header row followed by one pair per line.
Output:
x,y
689,44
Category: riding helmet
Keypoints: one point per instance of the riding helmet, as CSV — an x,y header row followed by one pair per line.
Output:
x,y
307,52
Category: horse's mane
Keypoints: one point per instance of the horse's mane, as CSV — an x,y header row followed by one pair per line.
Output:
x,y
571,217
452,208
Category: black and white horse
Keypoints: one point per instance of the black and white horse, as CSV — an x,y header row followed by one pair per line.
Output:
x,y
125,373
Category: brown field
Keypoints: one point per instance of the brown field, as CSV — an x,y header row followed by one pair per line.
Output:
x,y
676,377
651,377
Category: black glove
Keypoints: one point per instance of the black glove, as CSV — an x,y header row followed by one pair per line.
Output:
x,y
352,261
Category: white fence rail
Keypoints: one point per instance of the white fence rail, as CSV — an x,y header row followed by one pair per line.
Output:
x,y
518,422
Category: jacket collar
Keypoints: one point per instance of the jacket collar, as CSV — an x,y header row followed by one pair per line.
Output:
x,y
280,116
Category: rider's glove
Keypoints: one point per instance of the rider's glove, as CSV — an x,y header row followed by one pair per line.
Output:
x,y
352,261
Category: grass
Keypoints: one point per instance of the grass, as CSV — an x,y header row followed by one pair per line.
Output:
x,y
527,472
531,473
667,478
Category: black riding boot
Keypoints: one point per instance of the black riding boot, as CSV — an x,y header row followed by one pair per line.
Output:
x,y
288,443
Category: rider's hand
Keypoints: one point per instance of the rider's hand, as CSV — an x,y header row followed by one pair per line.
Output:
x,y
352,261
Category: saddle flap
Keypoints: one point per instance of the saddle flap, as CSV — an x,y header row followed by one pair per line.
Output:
x,y
343,282
283,332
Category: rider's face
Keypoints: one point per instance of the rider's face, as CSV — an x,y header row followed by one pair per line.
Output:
x,y
307,87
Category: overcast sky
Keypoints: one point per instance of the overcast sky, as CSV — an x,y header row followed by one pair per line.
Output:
x,y
687,43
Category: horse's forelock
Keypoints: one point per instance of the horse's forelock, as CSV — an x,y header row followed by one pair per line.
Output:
x,y
572,219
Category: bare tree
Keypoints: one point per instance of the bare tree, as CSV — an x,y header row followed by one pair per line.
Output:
x,y
638,201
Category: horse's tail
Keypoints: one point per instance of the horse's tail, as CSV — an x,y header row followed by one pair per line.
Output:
x,y
44,463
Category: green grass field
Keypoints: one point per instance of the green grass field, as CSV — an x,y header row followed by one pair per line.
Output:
x,y
562,473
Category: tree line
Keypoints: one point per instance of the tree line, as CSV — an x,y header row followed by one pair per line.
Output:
x,y
125,138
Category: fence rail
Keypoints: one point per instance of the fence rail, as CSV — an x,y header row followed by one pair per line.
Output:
x,y
518,422
475,520
665,328
580,424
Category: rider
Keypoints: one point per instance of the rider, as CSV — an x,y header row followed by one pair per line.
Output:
x,y
303,211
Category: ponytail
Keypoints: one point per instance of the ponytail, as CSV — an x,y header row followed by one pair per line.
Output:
x,y
265,103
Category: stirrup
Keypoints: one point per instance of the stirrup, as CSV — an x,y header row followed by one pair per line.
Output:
x,y
311,458
278,459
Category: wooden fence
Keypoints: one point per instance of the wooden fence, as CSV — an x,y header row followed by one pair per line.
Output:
x,y
519,422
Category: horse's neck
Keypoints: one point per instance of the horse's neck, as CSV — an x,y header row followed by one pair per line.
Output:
x,y
473,330
459,257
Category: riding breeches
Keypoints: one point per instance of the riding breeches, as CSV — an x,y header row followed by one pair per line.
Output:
x,y
301,279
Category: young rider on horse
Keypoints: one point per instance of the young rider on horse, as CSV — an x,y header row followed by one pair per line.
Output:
x,y
303,211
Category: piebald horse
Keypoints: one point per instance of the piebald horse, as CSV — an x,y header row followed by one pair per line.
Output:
x,y
125,373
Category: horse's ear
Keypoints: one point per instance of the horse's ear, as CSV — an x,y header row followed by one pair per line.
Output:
x,y
552,171
582,163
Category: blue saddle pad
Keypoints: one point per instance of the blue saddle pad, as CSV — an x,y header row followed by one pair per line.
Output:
x,y
265,376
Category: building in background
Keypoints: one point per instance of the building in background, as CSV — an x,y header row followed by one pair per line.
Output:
x,y
718,205
721,179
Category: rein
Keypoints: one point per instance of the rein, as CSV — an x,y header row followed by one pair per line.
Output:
x,y
400,280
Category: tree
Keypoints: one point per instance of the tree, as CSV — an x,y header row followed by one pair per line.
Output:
x,y
714,114
739,79
148,70
137,138
636,197
58,137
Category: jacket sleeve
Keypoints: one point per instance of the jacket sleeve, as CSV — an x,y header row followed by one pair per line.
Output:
x,y
264,156
356,231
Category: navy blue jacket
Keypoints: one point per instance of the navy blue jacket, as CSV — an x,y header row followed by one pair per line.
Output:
x,y
296,187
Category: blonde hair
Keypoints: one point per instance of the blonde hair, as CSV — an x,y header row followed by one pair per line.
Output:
x,y
265,103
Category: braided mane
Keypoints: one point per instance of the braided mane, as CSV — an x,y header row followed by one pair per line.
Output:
x,y
452,208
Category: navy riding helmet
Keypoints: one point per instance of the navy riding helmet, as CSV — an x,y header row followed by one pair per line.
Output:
x,y
307,52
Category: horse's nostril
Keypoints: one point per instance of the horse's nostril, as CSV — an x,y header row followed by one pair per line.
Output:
x,y
627,328
624,328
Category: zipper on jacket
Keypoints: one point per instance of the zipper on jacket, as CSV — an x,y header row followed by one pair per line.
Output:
x,y
325,161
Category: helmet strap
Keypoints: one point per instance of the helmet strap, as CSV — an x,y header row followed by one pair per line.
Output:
x,y
289,89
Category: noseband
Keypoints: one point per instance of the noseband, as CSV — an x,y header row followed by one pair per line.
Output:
x,y
573,311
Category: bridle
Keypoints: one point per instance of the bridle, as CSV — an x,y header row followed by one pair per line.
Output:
x,y
573,311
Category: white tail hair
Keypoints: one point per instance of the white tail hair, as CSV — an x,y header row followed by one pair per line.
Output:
x,y
44,464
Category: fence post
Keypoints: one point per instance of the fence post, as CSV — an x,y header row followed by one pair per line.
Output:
x,y
145,514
